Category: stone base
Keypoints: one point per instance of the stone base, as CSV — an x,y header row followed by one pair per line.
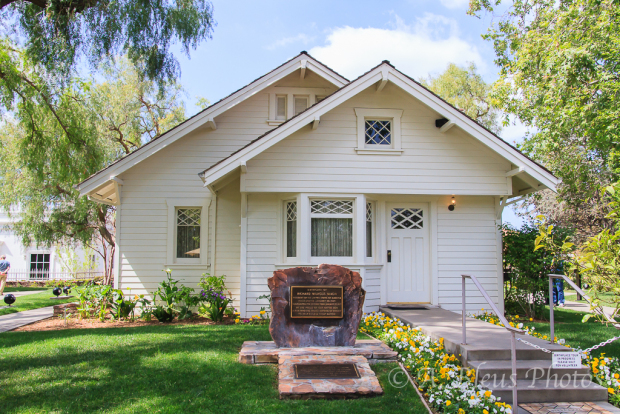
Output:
x,y
365,386
266,352
70,308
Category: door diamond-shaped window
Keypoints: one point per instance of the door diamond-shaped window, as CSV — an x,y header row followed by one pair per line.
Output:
x,y
378,132
407,218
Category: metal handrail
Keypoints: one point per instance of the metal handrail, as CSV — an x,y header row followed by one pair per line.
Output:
x,y
597,309
513,331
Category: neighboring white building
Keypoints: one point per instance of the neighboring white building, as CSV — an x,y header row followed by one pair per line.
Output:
x,y
303,167
42,263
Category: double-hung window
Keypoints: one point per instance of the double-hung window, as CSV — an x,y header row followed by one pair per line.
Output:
x,y
281,107
301,104
331,228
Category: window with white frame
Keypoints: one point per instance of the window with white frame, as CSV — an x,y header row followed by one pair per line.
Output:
x,y
301,104
378,130
291,228
39,265
331,223
281,107
188,233
369,221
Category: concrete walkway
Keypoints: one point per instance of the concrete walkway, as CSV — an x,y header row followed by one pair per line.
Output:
x,y
584,306
17,319
442,323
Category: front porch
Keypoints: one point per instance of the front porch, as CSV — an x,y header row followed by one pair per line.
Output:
x,y
488,352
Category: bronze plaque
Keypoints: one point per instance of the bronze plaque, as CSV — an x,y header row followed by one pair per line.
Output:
x,y
317,301
326,371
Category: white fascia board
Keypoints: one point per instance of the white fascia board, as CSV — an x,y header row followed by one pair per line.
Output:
x,y
454,115
289,127
203,117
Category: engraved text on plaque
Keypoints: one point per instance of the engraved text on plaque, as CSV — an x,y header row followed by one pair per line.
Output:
x,y
316,302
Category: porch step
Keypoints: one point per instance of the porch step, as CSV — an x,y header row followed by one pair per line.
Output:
x,y
540,391
526,369
470,353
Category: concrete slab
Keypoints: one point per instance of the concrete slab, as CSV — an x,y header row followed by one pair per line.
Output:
x,y
15,320
290,387
492,340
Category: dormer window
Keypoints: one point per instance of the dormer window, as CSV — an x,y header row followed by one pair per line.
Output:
x,y
281,107
301,104
378,131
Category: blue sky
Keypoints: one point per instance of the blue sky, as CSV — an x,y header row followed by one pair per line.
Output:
x,y
419,37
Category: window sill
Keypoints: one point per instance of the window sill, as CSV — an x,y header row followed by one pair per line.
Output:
x,y
377,151
189,266
273,122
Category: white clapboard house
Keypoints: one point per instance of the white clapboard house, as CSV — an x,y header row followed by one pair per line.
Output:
x,y
303,167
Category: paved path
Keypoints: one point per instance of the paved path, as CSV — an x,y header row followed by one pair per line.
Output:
x,y
17,319
584,306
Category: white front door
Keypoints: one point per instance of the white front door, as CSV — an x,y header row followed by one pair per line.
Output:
x,y
408,253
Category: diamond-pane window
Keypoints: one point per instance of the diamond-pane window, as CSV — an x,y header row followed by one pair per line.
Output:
x,y
378,132
188,233
291,229
331,207
407,218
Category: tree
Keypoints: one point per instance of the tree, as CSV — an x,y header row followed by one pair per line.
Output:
x,y
59,33
57,137
465,89
560,74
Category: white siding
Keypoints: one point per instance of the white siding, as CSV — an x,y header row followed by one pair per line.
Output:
x,y
172,174
432,162
467,244
262,250
372,285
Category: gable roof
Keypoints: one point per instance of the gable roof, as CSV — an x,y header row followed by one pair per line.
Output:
x,y
386,72
105,175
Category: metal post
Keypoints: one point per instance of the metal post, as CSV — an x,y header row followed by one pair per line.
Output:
x,y
463,315
513,357
551,319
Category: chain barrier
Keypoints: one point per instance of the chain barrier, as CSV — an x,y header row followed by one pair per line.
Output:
x,y
585,351
534,345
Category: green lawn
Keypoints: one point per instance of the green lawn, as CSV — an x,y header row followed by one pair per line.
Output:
x,y
604,297
568,325
160,368
38,300
22,289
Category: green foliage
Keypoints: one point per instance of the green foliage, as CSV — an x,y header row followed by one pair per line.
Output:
x,y
465,89
122,307
559,74
89,123
94,300
174,300
528,267
216,302
58,34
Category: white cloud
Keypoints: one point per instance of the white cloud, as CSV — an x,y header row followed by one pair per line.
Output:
x,y
515,131
300,38
417,50
454,4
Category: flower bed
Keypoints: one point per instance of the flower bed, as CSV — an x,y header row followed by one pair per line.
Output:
x,y
448,387
605,370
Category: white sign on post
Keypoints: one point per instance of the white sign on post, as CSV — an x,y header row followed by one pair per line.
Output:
x,y
566,360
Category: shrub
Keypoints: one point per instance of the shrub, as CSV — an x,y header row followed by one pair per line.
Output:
x,y
216,301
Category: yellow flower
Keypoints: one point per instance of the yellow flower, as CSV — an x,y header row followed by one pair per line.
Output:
x,y
531,319
611,390
485,412
448,403
487,394
616,375
517,316
461,411
262,312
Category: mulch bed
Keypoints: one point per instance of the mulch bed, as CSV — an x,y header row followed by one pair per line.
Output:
x,y
58,324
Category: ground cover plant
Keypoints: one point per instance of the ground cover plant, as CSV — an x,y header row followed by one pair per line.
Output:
x,y
572,332
34,301
160,369
448,387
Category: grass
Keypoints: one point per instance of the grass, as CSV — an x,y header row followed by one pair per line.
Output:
x,y
568,325
22,289
605,298
35,301
159,369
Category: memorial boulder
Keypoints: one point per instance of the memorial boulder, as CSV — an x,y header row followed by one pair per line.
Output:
x,y
315,306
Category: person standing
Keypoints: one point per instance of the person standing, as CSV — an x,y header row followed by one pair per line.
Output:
x,y
558,287
5,266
